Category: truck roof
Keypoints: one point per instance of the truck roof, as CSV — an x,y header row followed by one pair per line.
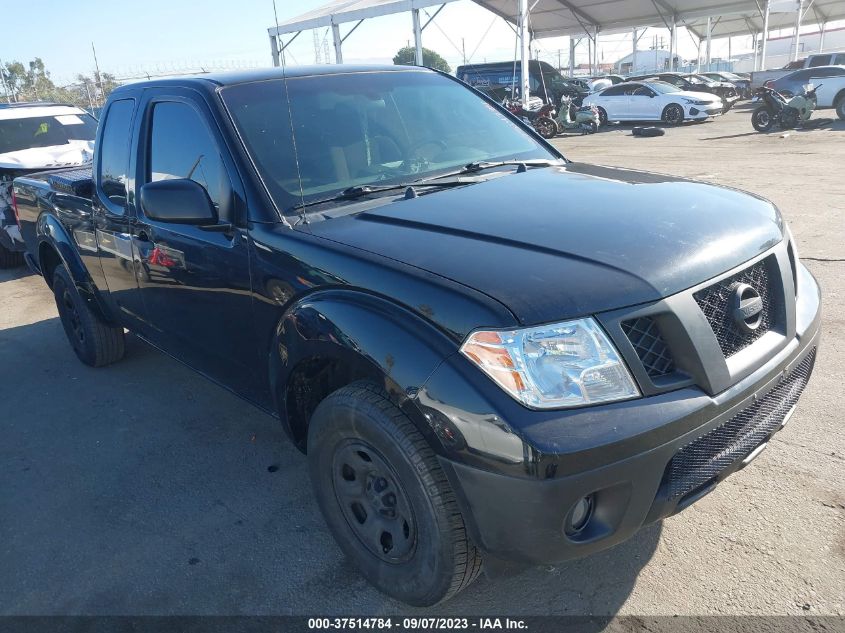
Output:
x,y
264,74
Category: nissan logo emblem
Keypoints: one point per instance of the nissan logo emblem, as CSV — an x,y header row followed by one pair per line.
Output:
x,y
747,308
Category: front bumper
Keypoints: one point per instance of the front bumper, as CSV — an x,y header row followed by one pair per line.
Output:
x,y
639,461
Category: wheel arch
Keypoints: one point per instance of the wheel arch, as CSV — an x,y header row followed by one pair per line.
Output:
x,y
332,338
55,247
839,97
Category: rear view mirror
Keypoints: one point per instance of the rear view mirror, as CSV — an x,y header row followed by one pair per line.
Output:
x,y
178,201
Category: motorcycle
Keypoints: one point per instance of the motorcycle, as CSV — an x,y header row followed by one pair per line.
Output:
x,y
785,113
571,117
542,119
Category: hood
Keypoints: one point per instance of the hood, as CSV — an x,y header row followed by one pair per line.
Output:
x,y
69,155
702,96
560,242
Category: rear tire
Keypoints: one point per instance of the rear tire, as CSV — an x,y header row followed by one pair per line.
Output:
x,y
602,116
545,127
763,119
10,259
95,343
840,108
386,499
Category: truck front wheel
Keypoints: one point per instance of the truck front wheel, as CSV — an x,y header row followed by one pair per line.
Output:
x,y
386,499
95,343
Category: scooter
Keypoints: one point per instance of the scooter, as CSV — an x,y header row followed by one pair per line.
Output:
x,y
571,117
542,119
785,113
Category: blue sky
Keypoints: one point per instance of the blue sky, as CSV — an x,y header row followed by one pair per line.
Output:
x,y
161,36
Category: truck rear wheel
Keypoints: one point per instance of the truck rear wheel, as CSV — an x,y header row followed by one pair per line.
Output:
x,y
10,259
386,499
95,343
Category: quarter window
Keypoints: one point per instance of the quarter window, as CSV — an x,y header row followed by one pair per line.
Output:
x,y
182,147
114,152
614,91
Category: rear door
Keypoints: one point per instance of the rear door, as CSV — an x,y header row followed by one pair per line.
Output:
x,y
195,280
615,102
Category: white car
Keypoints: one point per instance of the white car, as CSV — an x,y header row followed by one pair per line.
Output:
x,y
36,137
653,101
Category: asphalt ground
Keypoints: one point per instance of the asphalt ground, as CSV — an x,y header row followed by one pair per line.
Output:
x,y
143,489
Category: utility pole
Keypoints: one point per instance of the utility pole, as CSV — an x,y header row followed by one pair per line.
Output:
x,y
97,71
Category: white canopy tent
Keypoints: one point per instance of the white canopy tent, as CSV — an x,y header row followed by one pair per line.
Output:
x,y
553,18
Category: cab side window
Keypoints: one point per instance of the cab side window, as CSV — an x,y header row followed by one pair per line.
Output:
x,y
182,147
114,154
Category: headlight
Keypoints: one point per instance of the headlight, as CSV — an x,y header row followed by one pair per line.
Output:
x,y
553,366
696,101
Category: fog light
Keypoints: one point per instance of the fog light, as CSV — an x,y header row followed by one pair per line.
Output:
x,y
579,515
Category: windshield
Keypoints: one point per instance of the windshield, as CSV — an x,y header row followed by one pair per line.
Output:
x,y
45,131
700,79
661,87
356,129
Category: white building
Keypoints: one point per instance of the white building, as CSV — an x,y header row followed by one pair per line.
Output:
x,y
646,61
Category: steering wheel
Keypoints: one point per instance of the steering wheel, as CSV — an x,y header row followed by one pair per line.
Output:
x,y
412,150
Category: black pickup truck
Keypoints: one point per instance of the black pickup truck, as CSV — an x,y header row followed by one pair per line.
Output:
x,y
485,349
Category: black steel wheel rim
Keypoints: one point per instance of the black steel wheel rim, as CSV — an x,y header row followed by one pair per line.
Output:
x,y
70,318
763,118
373,502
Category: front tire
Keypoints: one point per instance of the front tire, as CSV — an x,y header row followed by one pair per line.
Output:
x,y
386,499
95,343
763,119
673,114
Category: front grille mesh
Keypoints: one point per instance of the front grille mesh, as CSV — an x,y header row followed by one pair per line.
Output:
x,y
715,302
699,461
648,342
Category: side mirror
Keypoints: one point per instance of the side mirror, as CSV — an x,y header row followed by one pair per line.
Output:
x,y
178,201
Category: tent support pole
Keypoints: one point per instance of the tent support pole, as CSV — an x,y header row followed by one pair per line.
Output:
x,y
798,29
338,43
765,36
418,52
524,53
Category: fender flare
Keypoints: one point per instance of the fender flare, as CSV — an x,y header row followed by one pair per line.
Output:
x,y
50,233
368,337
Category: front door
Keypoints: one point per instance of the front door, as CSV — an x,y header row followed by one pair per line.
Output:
x,y
194,280
114,215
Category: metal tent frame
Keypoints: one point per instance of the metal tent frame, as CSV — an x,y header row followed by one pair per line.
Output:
x,y
705,19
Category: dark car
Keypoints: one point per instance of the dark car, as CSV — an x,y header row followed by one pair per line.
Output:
x,y
497,79
697,83
742,84
793,83
485,349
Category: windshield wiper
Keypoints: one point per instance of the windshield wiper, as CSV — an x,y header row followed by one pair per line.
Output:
x,y
359,191
476,166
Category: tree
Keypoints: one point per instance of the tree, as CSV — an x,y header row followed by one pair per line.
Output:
x,y
407,56
32,82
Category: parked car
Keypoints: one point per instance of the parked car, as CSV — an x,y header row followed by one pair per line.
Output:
x,y
793,83
544,80
475,363
741,84
761,77
653,101
696,83
35,137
